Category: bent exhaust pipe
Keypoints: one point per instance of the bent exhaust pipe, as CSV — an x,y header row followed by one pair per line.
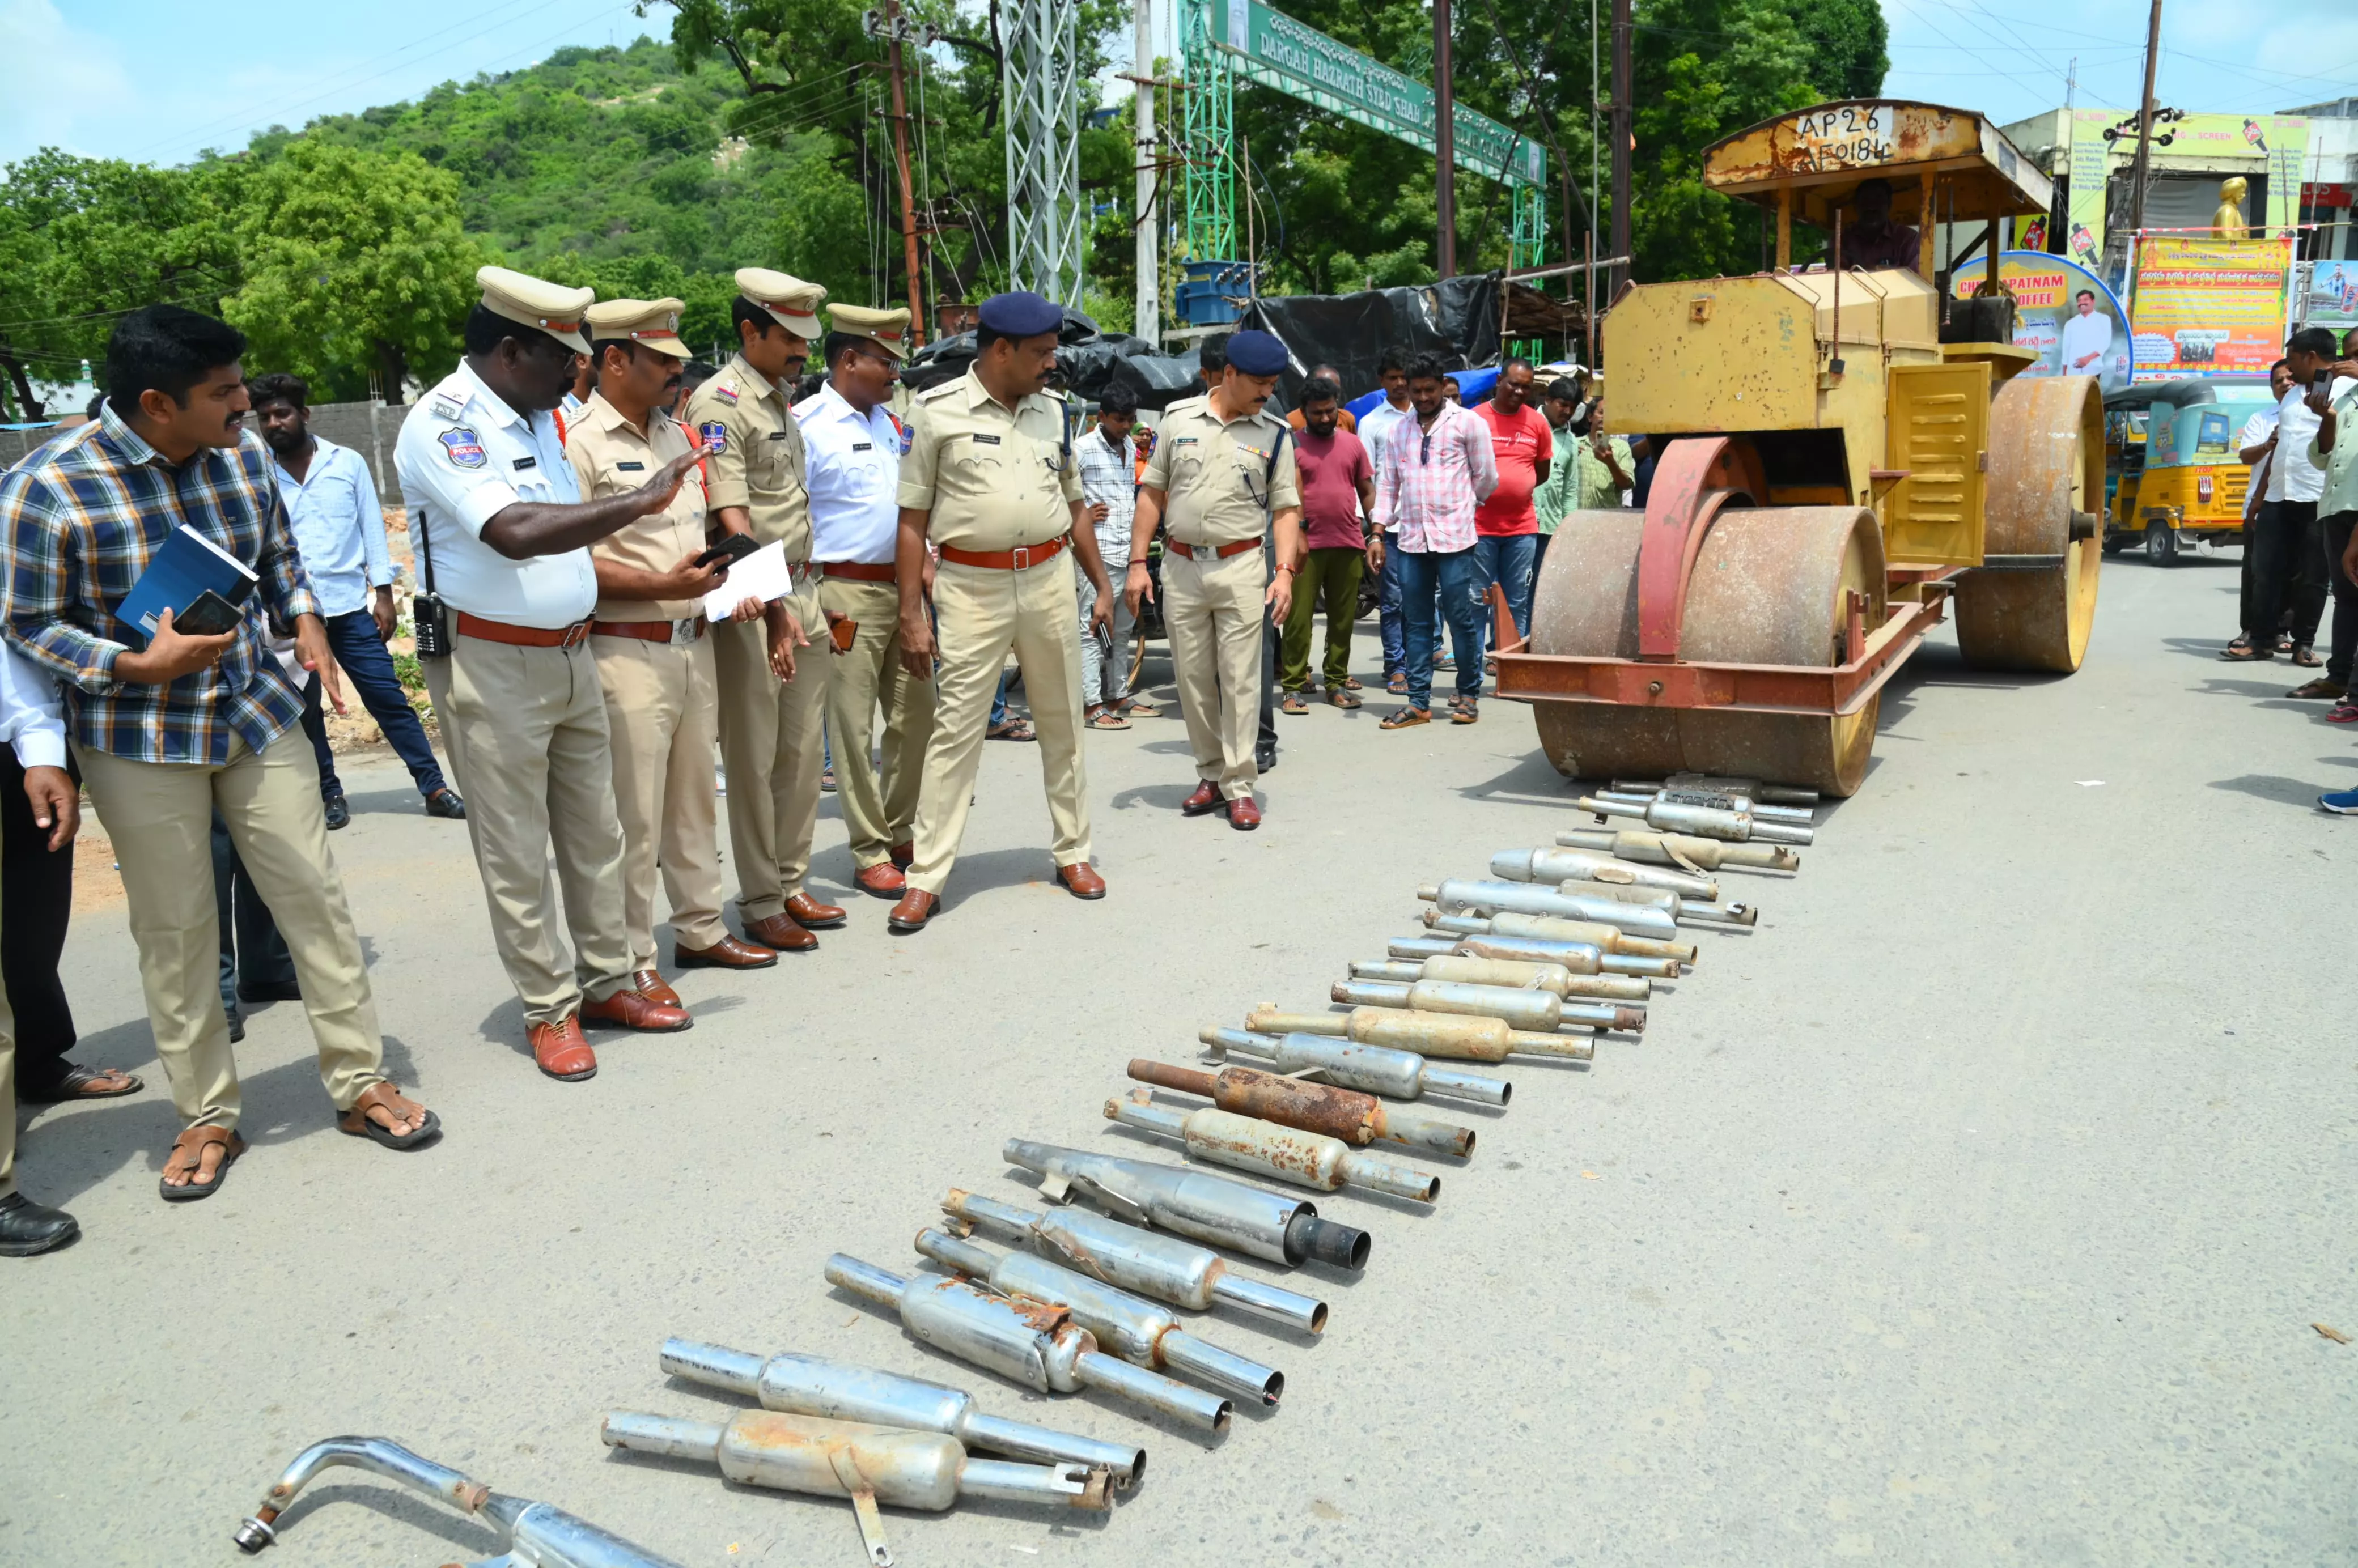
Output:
x,y
1375,1069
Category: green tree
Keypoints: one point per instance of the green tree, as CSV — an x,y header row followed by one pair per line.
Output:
x,y
355,262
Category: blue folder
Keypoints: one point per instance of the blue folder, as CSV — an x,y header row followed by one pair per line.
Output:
x,y
184,566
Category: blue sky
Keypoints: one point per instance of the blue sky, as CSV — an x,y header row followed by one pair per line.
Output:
x,y
160,79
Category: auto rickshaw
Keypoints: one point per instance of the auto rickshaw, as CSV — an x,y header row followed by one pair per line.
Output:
x,y
2171,465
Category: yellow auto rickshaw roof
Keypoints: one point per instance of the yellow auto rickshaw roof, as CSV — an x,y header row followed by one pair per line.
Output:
x,y
1823,154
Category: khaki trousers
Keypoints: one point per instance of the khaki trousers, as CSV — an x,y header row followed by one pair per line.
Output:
x,y
160,818
770,739
526,729
1213,612
662,714
979,615
879,812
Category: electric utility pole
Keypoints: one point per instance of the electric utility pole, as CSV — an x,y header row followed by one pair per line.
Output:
x,y
889,25
1147,309
2138,166
1444,142
1621,129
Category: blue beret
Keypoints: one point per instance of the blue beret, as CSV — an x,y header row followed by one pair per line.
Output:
x,y
1020,315
1256,353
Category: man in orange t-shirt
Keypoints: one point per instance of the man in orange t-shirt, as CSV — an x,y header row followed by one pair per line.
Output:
x,y
1507,525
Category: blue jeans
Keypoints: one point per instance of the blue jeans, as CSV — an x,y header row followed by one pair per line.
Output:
x,y
1388,616
1538,559
1453,579
999,701
360,654
1512,562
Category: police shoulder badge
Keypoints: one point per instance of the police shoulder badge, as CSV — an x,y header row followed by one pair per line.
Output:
x,y
715,434
726,393
465,447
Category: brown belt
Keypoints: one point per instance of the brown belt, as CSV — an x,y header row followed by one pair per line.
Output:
x,y
1020,558
522,636
862,571
1213,552
651,630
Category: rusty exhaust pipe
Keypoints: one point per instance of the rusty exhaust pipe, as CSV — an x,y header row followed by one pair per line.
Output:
x,y
1571,865
1609,939
841,1390
1464,896
1680,849
1210,1208
1356,1118
1456,1036
1039,1347
1287,1153
867,1465
1515,973
1132,1327
1373,1069
1538,1012
1580,957
534,1532
1162,1267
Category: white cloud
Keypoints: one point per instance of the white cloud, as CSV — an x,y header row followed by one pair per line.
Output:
x,y
53,77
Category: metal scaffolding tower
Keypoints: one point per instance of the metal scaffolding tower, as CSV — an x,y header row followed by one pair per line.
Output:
x,y
1208,127
1047,223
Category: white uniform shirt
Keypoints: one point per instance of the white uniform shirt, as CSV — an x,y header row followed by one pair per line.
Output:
x,y
852,471
2296,428
463,457
32,718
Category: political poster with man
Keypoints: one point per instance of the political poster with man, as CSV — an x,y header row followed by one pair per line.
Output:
x,y
2064,314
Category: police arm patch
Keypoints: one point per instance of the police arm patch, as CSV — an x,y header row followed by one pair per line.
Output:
x,y
464,447
715,434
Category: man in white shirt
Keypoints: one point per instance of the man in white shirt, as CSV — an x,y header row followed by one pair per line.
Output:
x,y
2290,568
852,447
2087,337
1376,430
1110,493
32,723
2257,448
503,541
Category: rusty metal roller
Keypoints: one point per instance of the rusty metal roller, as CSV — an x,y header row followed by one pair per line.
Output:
x,y
2046,495
1769,588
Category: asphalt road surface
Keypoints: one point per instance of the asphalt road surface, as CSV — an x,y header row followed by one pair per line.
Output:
x,y
1975,1208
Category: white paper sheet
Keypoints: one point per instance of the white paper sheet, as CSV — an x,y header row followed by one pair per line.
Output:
x,y
763,575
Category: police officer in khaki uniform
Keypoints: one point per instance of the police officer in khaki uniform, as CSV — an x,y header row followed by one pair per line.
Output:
x,y
1223,475
992,482
504,544
648,636
773,703
853,447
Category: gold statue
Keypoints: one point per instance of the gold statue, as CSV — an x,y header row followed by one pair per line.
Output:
x,y
2229,220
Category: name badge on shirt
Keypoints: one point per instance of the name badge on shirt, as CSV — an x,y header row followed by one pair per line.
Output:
x,y
527,463
982,441
863,446
1182,441
777,435
631,468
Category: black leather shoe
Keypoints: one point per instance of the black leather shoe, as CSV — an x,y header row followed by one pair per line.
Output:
x,y
269,991
444,802
27,1228
339,811
1263,761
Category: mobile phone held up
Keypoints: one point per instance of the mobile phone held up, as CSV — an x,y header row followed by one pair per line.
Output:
x,y
732,548
208,615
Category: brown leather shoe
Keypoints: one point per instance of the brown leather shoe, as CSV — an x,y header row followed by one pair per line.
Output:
x,y
726,954
903,855
780,934
1204,802
558,1050
650,984
1080,881
813,916
1244,814
626,1009
916,908
883,879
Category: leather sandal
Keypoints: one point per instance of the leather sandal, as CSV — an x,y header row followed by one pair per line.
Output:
x,y
187,1154
85,1083
1406,717
1341,696
358,1122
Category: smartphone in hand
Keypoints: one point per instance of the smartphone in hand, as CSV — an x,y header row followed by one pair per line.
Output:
x,y
208,615
732,548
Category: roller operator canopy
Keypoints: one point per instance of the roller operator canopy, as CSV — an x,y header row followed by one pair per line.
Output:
x,y
1823,154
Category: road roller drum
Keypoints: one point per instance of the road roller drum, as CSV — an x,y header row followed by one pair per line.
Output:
x,y
2046,467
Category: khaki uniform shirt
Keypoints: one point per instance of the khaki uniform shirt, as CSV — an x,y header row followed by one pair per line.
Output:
x,y
993,477
1217,475
756,458
610,457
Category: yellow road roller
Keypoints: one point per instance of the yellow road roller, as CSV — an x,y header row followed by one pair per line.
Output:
x,y
1842,450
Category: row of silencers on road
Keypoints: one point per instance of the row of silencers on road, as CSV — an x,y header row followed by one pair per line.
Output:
x,y
1286,1153
1384,1070
1704,818
1455,1036
1754,789
1038,1345
1578,958
535,1534
1531,1012
1646,847
1358,1119
1526,974
1212,1209
1166,1267
1685,896
867,1464
1650,912
1139,1331
1615,947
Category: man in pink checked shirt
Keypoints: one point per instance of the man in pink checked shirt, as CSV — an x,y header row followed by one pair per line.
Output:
x,y
1439,468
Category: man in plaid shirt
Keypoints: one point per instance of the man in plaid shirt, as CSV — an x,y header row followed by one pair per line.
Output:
x,y
1438,467
188,725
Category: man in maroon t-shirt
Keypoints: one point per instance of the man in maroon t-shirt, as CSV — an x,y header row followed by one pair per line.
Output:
x,y
1507,526
1338,488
